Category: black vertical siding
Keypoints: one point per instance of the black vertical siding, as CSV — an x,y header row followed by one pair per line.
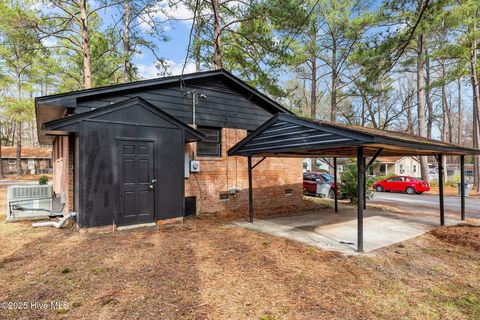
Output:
x,y
224,106
98,184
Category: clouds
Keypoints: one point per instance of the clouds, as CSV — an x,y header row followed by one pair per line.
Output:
x,y
165,12
176,12
147,71
153,70
176,68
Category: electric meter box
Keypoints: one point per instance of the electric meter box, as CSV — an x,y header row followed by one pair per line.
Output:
x,y
194,166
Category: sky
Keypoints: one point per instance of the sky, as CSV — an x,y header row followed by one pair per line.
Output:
x,y
174,50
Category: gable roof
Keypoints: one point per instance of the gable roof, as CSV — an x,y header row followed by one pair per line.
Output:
x,y
27,153
143,84
285,135
61,124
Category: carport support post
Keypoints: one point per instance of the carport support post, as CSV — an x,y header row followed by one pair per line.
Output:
x,y
250,190
336,183
440,189
462,187
361,187
364,184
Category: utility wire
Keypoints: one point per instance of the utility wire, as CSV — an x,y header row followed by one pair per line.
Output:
x,y
189,43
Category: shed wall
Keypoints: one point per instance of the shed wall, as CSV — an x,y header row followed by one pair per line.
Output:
x,y
99,169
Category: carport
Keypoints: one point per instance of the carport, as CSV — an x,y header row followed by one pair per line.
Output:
x,y
286,135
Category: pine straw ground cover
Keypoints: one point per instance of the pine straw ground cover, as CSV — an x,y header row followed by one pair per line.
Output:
x,y
205,269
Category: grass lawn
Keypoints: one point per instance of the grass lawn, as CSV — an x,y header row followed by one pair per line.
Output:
x,y
205,269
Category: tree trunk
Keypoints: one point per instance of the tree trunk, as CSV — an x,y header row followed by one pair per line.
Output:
x,y
460,115
313,80
428,99
409,110
197,48
450,121
84,33
476,104
333,109
366,102
18,151
444,133
217,44
420,104
127,72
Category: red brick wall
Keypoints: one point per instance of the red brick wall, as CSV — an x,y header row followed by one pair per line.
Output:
x,y
62,154
270,180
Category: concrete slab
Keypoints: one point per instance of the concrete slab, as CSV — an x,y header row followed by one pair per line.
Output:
x,y
338,231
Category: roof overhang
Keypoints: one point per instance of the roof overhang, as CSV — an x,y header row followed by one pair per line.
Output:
x,y
286,135
70,124
51,107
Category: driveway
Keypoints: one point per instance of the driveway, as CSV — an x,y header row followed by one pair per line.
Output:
x,y
338,231
426,203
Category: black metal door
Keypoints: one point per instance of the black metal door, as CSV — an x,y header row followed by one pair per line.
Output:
x,y
137,182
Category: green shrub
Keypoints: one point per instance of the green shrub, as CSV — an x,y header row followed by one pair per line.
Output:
x,y
349,188
453,181
43,180
433,183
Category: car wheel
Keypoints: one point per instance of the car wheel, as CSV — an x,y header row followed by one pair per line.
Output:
x,y
410,190
331,194
379,188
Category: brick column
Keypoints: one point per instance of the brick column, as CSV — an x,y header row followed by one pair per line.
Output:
x,y
63,151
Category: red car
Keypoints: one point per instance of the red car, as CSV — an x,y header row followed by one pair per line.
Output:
x,y
402,184
310,183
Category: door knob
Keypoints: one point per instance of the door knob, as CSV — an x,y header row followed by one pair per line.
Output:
x,y
151,187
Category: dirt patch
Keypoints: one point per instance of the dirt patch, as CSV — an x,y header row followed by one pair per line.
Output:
x,y
464,235
27,177
207,269
453,191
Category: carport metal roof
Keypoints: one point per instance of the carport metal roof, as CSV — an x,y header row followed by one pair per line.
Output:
x,y
286,135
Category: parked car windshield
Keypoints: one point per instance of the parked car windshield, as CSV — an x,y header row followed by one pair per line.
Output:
x,y
327,177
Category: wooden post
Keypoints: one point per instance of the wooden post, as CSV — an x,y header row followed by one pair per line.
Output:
x,y
360,204
250,190
440,189
462,188
335,180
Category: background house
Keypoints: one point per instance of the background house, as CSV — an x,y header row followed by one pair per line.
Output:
x,y
408,166
34,160
321,165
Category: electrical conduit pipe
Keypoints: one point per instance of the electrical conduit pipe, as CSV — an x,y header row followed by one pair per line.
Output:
x,y
58,224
